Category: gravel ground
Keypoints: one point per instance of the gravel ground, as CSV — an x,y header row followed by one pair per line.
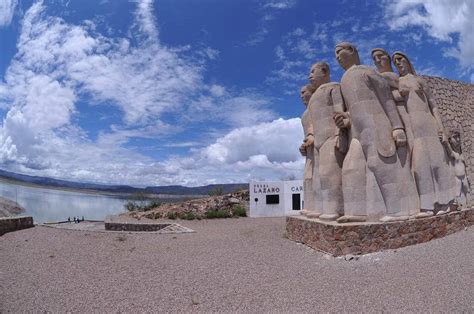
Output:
x,y
227,265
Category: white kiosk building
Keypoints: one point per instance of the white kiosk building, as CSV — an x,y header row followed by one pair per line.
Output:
x,y
277,198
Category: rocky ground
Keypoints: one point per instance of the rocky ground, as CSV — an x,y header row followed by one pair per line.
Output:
x,y
244,265
9,208
227,203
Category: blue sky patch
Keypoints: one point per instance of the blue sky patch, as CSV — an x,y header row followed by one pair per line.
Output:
x,y
191,92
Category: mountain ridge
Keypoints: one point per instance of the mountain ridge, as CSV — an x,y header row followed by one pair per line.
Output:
x,y
166,189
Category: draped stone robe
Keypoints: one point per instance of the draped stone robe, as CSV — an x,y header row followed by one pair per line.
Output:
x,y
311,184
324,102
434,177
375,183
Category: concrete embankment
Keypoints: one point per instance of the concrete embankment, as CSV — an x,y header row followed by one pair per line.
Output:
x,y
9,224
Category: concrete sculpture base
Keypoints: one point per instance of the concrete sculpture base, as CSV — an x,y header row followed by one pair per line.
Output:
x,y
129,226
118,223
362,238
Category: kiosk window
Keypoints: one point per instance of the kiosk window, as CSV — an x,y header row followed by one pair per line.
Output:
x,y
296,201
273,199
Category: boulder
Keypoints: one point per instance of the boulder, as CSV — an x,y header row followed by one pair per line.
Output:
x,y
9,208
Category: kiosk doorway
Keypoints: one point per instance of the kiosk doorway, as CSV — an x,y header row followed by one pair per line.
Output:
x,y
296,201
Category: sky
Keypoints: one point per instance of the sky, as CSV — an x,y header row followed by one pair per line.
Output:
x,y
192,92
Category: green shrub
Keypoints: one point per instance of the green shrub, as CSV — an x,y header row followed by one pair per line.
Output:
x,y
172,215
217,214
139,204
130,206
139,198
218,190
189,216
153,204
156,215
240,212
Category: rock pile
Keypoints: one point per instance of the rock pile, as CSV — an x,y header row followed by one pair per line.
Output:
x,y
9,208
228,203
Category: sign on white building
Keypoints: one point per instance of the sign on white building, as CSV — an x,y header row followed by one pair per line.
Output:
x,y
278,198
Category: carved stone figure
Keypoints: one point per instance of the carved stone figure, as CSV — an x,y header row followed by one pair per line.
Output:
x,y
383,62
375,184
462,188
328,139
434,180
311,184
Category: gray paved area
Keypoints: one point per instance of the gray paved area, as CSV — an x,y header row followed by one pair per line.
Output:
x,y
227,265
99,226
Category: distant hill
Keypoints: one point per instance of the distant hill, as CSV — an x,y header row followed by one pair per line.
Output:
x,y
169,189
198,190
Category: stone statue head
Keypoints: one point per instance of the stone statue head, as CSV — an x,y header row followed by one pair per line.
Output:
x,y
347,55
455,141
382,60
403,64
306,92
319,74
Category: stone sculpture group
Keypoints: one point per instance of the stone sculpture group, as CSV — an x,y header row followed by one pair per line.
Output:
x,y
375,145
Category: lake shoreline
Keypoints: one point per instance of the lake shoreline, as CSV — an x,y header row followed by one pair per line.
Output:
x,y
119,195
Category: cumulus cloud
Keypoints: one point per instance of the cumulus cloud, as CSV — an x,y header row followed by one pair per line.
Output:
x,y
266,139
279,4
301,47
7,9
142,81
296,52
59,64
444,20
235,109
269,9
144,14
266,151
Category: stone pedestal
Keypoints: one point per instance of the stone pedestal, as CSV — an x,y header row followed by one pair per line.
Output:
x,y
115,224
362,238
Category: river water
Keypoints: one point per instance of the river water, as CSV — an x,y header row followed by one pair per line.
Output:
x,y
48,205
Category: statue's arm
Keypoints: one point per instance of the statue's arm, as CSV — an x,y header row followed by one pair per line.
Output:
x,y
382,90
449,149
307,145
342,143
341,117
393,82
396,93
397,96
309,131
337,100
302,150
309,136
308,140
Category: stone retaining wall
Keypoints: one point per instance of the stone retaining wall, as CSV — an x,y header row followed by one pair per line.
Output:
x,y
341,239
130,226
9,224
455,101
